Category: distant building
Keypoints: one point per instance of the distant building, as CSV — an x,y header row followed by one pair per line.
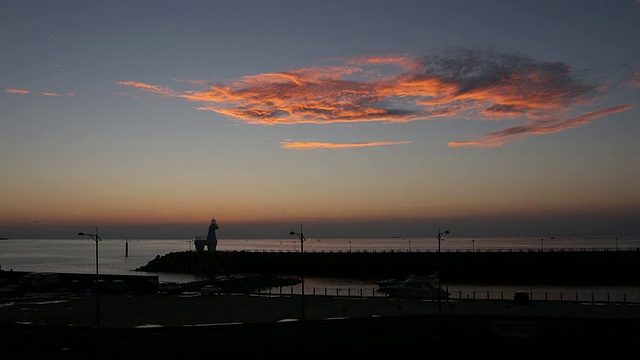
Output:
x,y
211,241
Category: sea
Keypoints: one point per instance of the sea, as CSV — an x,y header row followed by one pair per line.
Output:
x,y
124,256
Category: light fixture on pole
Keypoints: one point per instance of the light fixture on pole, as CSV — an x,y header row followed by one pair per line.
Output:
x,y
440,235
96,238
302,240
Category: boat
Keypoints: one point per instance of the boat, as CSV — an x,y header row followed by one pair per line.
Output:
x,y
385,283
414,287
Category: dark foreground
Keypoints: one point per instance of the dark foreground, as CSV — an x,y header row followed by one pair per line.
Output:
x,y
272,328
374,338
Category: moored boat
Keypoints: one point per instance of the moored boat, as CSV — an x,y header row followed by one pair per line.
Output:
x,y
415,286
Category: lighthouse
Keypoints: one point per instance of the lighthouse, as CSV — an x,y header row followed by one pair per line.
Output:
x,y
211,241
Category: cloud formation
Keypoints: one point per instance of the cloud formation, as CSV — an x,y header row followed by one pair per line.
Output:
x,y
464,83
547,126
25,92
311,145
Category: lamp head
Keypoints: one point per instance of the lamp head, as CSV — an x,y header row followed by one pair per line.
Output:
x,y
80,234
446,232
292,233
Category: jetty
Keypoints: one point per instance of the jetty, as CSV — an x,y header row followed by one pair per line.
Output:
x,y
549,268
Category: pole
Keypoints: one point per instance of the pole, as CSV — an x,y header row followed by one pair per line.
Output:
x,y
97,283
302,268
302,314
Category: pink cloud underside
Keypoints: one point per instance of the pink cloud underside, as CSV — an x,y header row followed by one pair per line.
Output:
x,y
538,127
17,91
471,84
24,92
310,145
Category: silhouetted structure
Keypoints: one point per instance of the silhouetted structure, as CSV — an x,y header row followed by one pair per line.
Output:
x,y
211,241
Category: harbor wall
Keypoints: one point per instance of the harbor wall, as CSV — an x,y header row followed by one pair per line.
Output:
x,y
549,268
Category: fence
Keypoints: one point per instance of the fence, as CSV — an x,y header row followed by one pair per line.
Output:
x,y
561,296
461,250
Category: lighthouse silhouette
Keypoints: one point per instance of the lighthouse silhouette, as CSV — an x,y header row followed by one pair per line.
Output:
x,y
211,241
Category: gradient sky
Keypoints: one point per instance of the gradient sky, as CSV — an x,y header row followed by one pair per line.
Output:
x,y
354,118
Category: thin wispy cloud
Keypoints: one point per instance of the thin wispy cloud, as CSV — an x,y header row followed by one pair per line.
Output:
x,y
25,92
539,127
464,83
311,145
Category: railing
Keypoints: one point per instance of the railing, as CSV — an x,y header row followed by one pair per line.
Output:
x,y
536,296
464,250
563,296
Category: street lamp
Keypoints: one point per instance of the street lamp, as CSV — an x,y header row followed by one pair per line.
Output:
x,y
440,235
350,245
302,240
96,238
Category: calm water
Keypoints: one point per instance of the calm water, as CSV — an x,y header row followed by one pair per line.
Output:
x,y
78,256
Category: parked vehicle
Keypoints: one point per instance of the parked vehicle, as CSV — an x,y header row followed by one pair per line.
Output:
x,y
209,290
520,298
39,281
169,288
76,284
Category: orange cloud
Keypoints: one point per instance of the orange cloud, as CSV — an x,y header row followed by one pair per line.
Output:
x,y
150,88
310,145
472,84
23,92
17,91
540,127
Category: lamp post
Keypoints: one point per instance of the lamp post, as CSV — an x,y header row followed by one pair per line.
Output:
x,y
440,235
473,245
616,244
302,240
350,245
96,238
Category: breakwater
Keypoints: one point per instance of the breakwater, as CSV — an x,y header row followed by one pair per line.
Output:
x,y
548,268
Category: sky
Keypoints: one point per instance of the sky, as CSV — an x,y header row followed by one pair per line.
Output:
x,y
146,119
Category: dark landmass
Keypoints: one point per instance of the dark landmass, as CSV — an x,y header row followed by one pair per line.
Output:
x,y
548,268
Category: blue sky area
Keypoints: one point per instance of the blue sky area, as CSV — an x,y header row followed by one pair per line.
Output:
x,y
354,118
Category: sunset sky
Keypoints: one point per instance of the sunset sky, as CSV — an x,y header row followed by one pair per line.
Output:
x,y
354,118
